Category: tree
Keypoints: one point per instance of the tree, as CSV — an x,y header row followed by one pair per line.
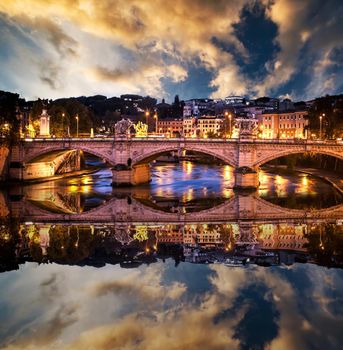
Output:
x,y
9,121
177,108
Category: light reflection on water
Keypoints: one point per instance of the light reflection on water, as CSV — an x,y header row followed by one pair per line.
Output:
x,y
153,306
152,286
188,184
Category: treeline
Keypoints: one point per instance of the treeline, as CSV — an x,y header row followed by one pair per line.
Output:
x,y
330,108
98,112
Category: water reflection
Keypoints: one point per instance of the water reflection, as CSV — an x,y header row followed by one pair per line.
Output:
x,y
139,302
183,262
192,187
231,244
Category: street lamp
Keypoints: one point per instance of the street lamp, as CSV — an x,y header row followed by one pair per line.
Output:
x,y
63,125
156,122
77,125
147,113
225,134
230,116
320,125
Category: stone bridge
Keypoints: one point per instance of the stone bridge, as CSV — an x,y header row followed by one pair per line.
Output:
x,y
130,157
130,210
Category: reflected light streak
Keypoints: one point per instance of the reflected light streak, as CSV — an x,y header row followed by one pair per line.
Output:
x,y
73,188
227,172
188,167
281,185
227,192
86,189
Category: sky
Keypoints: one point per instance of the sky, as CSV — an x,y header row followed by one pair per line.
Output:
x,y
194,48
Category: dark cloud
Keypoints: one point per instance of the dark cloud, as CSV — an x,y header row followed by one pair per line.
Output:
x,y
50,74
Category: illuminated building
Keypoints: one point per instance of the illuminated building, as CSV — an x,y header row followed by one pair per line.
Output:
x,y
170,126
283,236
188,126
210,124
286,125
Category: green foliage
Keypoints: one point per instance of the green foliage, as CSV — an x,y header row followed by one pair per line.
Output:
x,y
70,108
212,135
8,116
331,110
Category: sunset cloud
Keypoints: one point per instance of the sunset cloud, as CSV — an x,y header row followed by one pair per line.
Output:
x,y
65,48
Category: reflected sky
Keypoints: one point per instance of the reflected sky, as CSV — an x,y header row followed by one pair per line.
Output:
x,y
163,307
83,295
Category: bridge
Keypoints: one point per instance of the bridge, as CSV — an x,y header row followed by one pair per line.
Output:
x,y
130,156
128,209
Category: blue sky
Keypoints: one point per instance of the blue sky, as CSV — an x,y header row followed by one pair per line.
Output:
x,y
194,48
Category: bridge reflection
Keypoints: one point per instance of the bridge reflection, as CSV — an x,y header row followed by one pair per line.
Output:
x,y
137,206
130,228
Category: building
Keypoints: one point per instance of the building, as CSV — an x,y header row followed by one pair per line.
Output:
x,y
188,127
268,125
235,101
197,107
209,125
187,111
267,102
283,236
170,127
285,125
292,124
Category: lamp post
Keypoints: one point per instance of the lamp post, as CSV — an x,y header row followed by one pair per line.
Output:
x,y
156,122
230,116
225,134
77,125
147,113
320,125
63,125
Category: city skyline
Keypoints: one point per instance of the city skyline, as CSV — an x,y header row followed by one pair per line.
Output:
x,y
194,49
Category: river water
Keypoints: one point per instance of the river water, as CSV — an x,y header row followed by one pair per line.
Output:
x,y
183,262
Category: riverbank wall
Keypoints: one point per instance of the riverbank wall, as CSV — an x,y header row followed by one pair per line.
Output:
x,y
4,153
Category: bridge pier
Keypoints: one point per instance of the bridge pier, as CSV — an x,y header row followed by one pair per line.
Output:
x,y
246,178
123,175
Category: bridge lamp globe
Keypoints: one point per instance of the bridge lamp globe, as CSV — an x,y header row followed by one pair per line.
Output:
x,y
77,126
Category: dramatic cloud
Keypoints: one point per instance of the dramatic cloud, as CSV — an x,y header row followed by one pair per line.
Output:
x,y
151,307
63,48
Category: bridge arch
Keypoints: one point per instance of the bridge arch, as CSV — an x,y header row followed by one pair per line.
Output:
x,y
151,155
36,153
267,156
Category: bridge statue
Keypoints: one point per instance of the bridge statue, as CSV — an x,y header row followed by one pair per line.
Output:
x,y
122,128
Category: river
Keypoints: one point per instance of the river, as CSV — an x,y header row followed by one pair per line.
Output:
x,y
227,271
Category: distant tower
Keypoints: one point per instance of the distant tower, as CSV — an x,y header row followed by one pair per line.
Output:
x,y
44,130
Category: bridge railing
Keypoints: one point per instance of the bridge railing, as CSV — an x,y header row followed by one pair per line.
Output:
x,y
187,139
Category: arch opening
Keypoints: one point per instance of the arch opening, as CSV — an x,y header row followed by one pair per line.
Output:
x,y
31,158
304,154
303,180
62,162
185,154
